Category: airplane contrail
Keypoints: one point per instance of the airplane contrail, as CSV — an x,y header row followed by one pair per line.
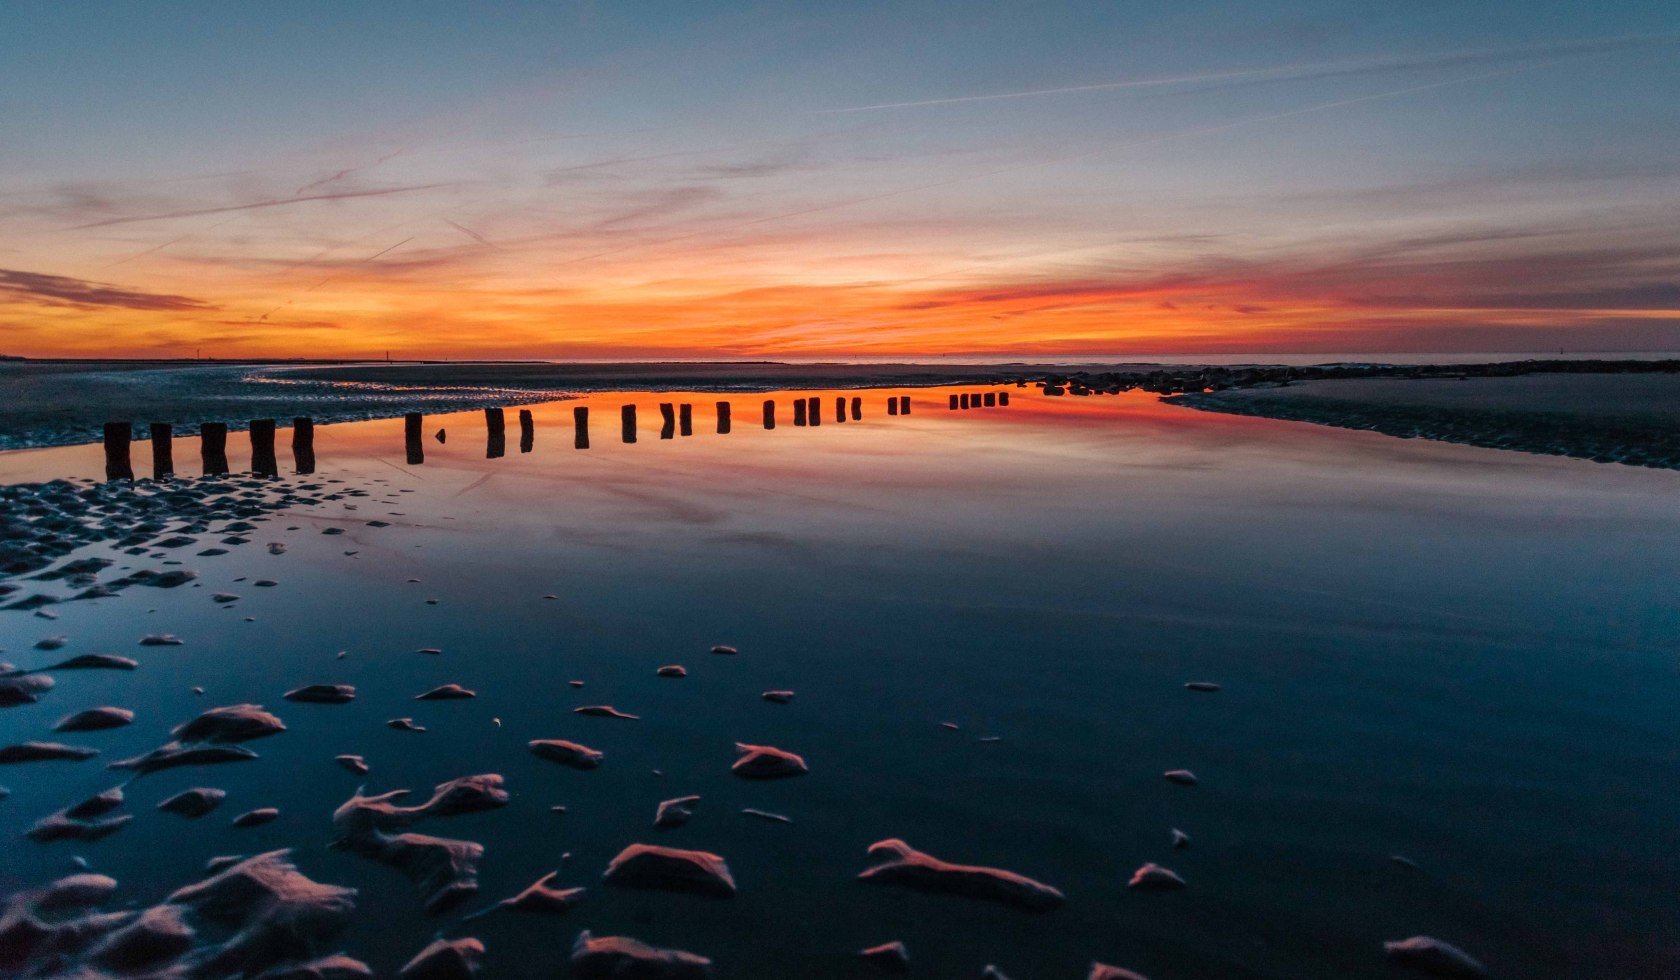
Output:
x,y
463,229
1313,71
257,205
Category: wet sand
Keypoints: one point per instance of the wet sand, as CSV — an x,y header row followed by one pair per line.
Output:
x,y
1443,709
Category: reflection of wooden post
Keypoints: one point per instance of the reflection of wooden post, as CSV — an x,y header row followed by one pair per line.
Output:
x,y
813,411
857,409
527,430
840,409
669,427
990,399
685,419
629,413
1003,398
892,405
723,418
904,405
163,450
580,421
303,445
769,413
263,461
212,446
118,435
799,411
962,400
953,403
495,442
411,439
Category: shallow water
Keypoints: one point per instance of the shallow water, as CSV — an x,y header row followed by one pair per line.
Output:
x,y
1463,656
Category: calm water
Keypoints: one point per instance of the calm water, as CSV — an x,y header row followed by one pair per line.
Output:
x,y
1463,656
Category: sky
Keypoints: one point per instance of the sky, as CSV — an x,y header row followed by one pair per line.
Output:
x,y
705,179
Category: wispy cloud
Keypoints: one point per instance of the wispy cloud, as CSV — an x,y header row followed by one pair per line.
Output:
x,y
259,205
66,291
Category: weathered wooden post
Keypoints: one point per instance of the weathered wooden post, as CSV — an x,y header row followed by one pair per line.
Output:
x,y
857,408
953,403
1003,398
990,399
769,413
527,430
303,445
799,411
212,447
163,450
118,435
904,405
962,400
892,405
411,438
723,419
263,461
580,422
629,415
669,426
495,442
813,411
685,419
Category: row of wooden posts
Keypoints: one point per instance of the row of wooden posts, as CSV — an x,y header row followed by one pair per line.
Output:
x,y
675,418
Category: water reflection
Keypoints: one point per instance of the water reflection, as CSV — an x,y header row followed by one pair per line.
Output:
x,y
416,449
303,445
527,431
495,444
163,450
580,422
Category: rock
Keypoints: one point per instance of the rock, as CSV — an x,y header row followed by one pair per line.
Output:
x,y
1180,839
1206,687
93,719
778,697
766,815
173,754
566,753
44,752
1102,971
233,723
93,661
1183,777
543,898
675,813
652,866
891,957
404,725
671,670
256,818
902,864
1427,954
322,694
624,958
445,959
160,640
766,762
448,692
18,689
193,803
354,763
1153,877
725,650
604,711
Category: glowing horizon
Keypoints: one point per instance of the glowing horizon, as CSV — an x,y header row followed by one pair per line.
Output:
x,y
892,181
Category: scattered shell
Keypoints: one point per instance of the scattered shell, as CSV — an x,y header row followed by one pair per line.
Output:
x,y
160,640
173,754
1207,687
671,670
1153,877
404,725
193,803
575,683
1183,777
902,864
566,753
94,719
725,650
90,661
433,651
51,642
256,818
23,689
767,762
652,866
621,958
233,723
604,711
1427,954
322,694
542,898
891,957
96,806
778,697
445,959
44,752
676,812
224,597
766,815
448,692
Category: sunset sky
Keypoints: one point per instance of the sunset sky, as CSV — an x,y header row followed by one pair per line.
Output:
x,y
707,179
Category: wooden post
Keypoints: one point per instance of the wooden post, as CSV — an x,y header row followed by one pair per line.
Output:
x,y
1003,398
685,419
892,405
813,411
163,451
953,403
212,446
263,461
799,411
668,428
411,438
527,430
118,435
580,421
962,400
495,442
769,413
723,420
857,408
629,413
990,399
904,405
303,445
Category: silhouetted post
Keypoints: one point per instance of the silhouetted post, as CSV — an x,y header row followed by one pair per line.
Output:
x,y
857,409
953,403
263,461
990,399
769,413
163,450
411,438
840,409
212,446
495,442
685,418
669,427
118,435
892,405
904,405
580,421
629,413
527,431
303,445
962,399
1003,398
723,418
813,411
799,411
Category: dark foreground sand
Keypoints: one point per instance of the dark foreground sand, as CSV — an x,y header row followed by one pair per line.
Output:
x,y
1621,418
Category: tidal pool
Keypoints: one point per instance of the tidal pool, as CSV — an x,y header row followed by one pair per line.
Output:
x,y
1463,657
